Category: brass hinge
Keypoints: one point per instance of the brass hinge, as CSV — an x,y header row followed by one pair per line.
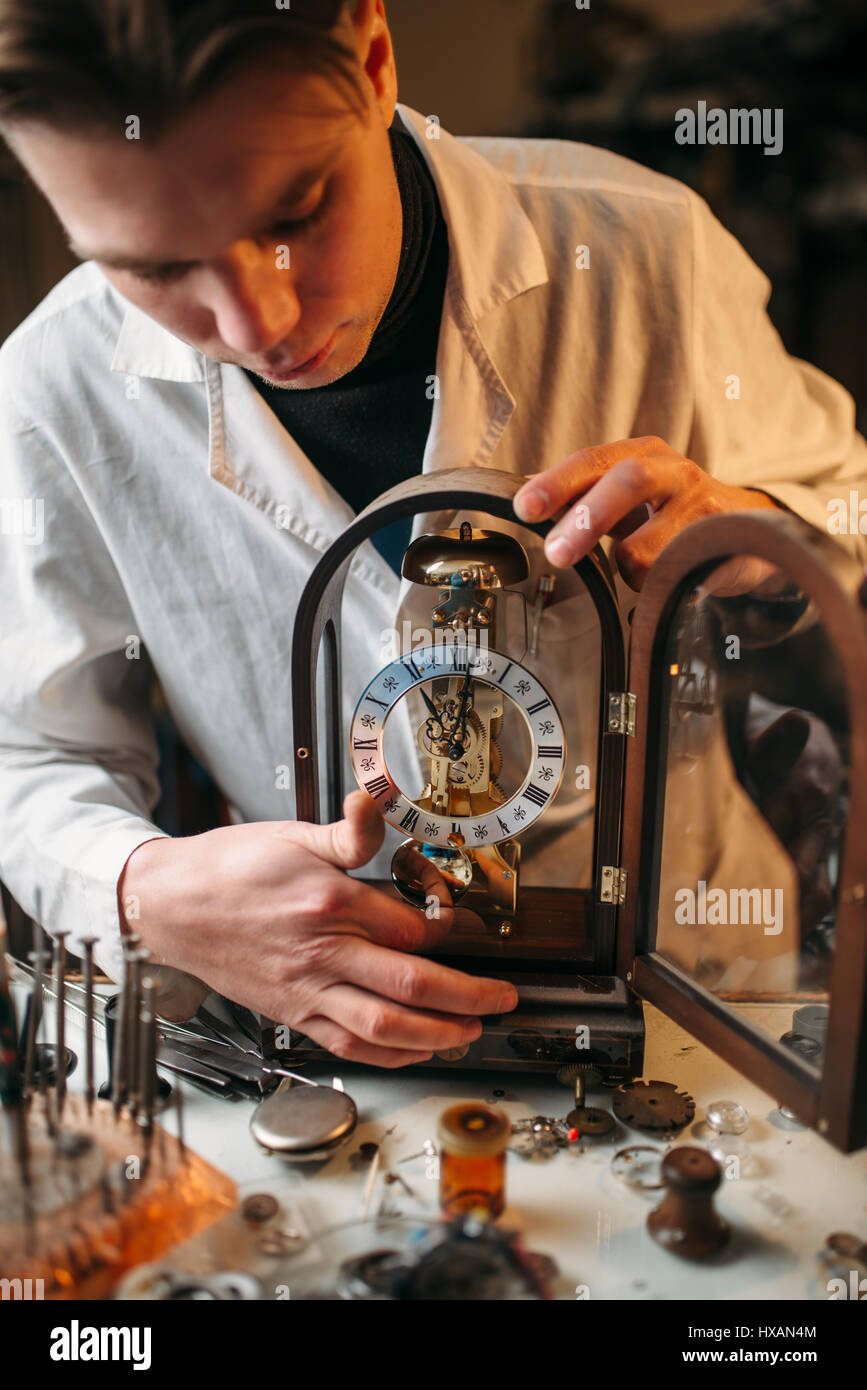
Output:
x,y
621,713
613,884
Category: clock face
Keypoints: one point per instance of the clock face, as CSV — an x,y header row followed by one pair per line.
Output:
x,y
467,699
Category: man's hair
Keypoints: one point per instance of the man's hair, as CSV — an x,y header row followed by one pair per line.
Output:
x,y
91,63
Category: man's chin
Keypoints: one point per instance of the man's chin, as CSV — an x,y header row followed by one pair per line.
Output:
x,y
336,366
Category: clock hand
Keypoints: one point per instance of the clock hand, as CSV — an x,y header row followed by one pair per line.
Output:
x,y
430,704
456,747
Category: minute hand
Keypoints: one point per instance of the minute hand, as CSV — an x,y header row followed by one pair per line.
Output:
x,y
456,747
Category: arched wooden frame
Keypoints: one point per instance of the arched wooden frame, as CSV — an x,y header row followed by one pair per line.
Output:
x,y
836,1102
317,627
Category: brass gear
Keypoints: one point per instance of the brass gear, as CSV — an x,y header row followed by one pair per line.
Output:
x,y
655,1107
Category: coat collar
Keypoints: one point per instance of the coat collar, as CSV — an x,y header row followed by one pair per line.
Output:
x,y
496,253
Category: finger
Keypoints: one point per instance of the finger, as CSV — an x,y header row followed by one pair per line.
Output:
x,y
744,574
688,504
629,484
374,1019
421,871
350,842
352,1049
545,493
424,984
438,903
389,921
636,554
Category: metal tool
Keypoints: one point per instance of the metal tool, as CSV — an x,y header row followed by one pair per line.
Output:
x,y
10,1072
120,1051
246,1020
34,1011
147,1063
137,957
370,1184
60,989
180,1109
29,972
207,1078
235,1037
238,1064
429,1151
88,943
544,590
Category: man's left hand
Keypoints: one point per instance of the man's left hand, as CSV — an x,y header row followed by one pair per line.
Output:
x,y
638,490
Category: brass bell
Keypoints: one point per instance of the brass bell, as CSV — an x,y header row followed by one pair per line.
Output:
x,y
498,560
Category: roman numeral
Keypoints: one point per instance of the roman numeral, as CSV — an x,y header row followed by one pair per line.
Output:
x,y
456,829
460,658
501,678
410,820
540,704
381,703
411,666
551,750
366,745
536,795
377,787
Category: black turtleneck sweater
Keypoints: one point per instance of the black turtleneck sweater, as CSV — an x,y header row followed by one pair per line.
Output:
x,y
368,430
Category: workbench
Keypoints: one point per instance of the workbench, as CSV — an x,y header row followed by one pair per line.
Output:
x,y
793,1192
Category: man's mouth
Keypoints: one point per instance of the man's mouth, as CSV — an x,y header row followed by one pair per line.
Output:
x,y
302,368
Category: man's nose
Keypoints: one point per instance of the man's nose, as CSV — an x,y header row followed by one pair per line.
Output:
x,y
253,299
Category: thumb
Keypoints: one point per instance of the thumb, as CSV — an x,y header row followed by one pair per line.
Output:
x,y
350,842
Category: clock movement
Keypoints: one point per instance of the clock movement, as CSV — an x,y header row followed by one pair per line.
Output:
x,y
472,700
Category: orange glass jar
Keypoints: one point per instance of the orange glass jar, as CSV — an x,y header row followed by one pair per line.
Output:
x,y
473,1138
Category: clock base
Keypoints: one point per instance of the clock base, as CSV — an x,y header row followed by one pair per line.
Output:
x,y
545,1033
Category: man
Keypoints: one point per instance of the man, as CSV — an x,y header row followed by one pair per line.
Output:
x,y
292,298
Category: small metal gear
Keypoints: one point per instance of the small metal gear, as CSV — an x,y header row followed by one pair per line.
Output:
x,y
655,1107
591,1121
496,760
568,1075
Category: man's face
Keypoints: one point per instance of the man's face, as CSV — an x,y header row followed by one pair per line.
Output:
x,y
263,228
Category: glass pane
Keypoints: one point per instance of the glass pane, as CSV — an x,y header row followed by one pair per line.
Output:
x,y
755,757
490,727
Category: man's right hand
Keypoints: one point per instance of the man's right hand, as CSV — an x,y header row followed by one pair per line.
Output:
x,y
265,915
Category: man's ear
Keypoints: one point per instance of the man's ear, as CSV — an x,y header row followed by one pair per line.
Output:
x,y
375,53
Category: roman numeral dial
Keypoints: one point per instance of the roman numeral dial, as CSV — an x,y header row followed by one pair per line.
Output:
x,y
433,676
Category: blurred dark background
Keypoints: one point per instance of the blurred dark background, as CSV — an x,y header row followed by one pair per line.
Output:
x,y
615,74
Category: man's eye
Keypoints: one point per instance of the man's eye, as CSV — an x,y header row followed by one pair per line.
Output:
x,y
160,275
300,224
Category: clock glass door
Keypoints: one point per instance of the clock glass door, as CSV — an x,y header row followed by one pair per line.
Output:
x,y
748,908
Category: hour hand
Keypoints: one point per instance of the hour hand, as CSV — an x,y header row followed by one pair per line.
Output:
x,y
430,704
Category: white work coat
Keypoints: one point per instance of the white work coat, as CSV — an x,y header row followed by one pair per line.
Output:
x,y
181,520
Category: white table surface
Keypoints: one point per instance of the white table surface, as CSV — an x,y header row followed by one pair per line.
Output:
x,y
795,1192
